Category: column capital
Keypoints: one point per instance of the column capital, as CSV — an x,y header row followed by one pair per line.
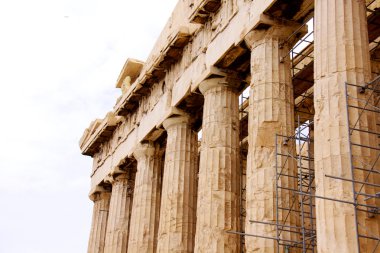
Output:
x,y
144,150
211,83
124,176
99,194
120,177
172,121
281,32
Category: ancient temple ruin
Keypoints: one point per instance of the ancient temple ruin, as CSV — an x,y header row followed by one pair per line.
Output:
x,y
253,126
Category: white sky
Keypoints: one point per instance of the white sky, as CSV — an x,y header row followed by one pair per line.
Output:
x,y
59,61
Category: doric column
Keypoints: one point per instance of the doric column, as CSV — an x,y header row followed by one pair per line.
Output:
x,y
218,187
375,69
341,55
119,214
178,206
271,112
146,200
99,221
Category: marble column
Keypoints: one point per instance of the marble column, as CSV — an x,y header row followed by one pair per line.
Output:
x,y
99,222
341,55
218,187
178,206
375,69
119,214
146,200
271,112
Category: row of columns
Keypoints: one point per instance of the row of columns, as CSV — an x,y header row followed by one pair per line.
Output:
x,y
168,223
184,218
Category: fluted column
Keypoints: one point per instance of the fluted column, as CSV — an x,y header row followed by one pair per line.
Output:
x,y
178,206
341,55
119,214
146,200
271,112
218,187
99,222
375,69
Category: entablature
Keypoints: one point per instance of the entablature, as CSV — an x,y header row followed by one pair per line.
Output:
x,y
99,132
203,9
154,70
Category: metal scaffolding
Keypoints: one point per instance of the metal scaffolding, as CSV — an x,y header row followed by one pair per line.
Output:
x,y
363,115
243,168
302,53
243,115
302,204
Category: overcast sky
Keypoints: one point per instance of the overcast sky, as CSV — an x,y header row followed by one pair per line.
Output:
x,y
59,61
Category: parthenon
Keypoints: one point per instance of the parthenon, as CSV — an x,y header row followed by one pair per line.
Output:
x,y
253,126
